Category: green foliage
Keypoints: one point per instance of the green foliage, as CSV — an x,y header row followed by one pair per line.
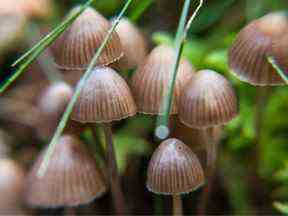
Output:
x,y
282,207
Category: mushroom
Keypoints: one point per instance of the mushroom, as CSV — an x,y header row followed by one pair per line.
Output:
x,y
76,47
106,98
72,177
174,170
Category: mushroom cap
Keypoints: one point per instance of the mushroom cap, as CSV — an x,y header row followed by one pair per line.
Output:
x,y
174,169
106,97
280,52
133,43
12,181
150,82
71,179
77,46
248,55
55,97
207,100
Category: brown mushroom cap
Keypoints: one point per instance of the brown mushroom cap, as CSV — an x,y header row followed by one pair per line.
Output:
x,y
248,55
174,169
105,98
12,181
133,43
207,100
71,179
55,97
150,82
78,44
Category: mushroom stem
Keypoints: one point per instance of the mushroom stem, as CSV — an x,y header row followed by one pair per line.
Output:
x,y
211,149
113,174
262,98
177,205
98,145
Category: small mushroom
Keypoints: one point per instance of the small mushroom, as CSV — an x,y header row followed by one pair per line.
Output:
x,y
174,170
76,47
133,43
106,98
258,40
150,82
72,177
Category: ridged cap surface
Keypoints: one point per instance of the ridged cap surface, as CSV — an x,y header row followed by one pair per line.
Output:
x,y
174,169
133,43
248,55
71,179
78,45
207,100
150,82
105,98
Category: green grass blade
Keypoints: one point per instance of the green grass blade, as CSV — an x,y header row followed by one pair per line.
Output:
x,y
162,130
80,85
31,55
274,64
139,9
59,29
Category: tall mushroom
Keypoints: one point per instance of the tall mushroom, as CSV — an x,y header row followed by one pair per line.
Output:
x,y
106,98
207,102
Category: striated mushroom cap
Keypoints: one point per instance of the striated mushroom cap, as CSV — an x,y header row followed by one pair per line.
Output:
x,y
105,98
133,43
174,169
150,82
248,55
71,179
207,100
78,45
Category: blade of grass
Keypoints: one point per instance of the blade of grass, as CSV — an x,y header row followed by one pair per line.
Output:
x,y
274,64
35,51
162,130
45,60
139,9
80,85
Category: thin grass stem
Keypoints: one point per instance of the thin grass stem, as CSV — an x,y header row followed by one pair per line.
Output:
x,y
181,35
278,69
45,59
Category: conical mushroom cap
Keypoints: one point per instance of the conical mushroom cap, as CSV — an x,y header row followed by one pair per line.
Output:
x,y
133,43
71,179
80,42
248,55
174,169
105,98
151,80
207,100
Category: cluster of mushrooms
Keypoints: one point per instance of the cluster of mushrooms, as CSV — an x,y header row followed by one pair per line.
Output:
x,y
204,100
